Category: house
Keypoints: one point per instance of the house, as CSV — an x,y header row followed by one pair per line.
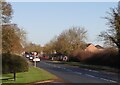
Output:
x,y
92,48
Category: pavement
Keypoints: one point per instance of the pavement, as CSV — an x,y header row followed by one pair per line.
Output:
x,y
73,74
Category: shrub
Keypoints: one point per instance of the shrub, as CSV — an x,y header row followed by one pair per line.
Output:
x,y
108,57
12,62
73,59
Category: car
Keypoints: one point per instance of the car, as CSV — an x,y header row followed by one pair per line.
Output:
x,y
27,55
31,57
36,59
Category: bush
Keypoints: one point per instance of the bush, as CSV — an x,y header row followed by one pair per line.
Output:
x,y
12,62
108,57
81,54
73,59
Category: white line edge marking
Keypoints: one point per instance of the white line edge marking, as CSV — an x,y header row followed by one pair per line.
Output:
x,y
90,75
77,72
108,80
87,74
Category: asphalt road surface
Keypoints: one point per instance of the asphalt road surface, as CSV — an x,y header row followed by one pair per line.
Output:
x,y
72,74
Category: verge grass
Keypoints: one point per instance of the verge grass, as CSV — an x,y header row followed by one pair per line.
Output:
x,y
33,75
92,67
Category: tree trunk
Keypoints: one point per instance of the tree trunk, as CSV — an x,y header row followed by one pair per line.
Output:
x,y
14,75
118,65
119,52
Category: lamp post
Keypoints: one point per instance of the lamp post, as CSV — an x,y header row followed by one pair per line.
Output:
x,y
35,53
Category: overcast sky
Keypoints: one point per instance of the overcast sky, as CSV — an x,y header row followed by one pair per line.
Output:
x,y
44,20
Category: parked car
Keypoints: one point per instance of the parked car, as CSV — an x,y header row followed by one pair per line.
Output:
x,y
31,57
27,54
36,59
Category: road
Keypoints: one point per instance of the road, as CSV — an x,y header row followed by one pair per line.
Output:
x,y
72,74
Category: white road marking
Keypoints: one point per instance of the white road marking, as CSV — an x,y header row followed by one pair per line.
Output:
x,y
85,74
90,75
109,80
113,81
101,78
91,70
78,73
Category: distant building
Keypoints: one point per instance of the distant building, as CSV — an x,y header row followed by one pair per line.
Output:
x,y
100,48
92,48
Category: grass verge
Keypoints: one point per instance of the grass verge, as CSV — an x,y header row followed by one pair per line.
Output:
x,y
33,75
92,67
100,68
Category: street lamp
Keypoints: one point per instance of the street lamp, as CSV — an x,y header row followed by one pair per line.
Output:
x,y
35,54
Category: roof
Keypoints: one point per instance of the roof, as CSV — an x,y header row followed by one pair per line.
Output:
x,y
93,48
99,47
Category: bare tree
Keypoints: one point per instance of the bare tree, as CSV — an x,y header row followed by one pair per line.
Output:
x,y
33,47
112,35
70,40
12,39
50,46
7,11
5,16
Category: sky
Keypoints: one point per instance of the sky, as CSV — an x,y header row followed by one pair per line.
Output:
x,y
44,20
